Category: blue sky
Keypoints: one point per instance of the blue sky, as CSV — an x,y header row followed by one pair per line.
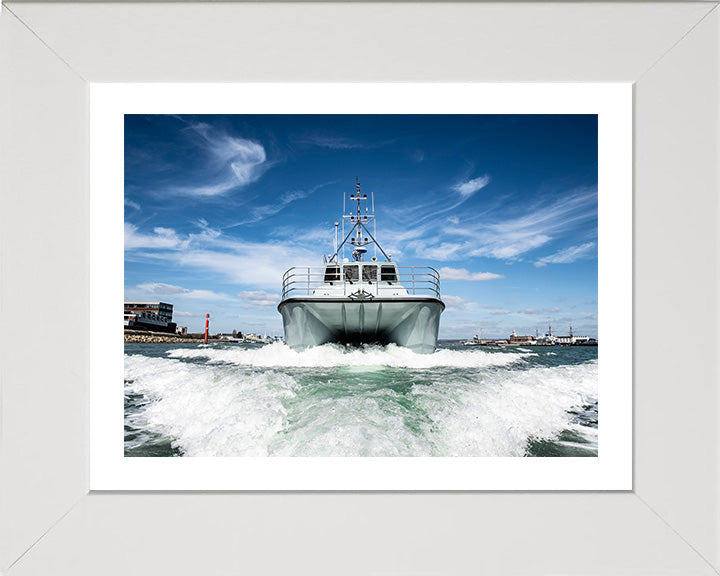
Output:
x,y
217,207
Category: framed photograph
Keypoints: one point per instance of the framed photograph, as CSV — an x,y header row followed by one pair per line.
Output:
x,y
111,230
376,368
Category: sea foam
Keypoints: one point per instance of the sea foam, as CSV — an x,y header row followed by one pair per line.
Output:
x,y
329,355
209,411
330,401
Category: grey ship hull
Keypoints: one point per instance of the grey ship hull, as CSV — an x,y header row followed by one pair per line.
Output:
x,y
411,322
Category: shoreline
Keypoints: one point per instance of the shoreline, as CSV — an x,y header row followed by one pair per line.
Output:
x,y
147,337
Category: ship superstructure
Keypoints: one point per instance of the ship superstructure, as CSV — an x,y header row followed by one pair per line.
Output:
x,y
361,301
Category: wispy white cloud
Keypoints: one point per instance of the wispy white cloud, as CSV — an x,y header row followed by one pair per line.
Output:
x,y
495,310
131,204
264,211
492,234
455,302
247,160
161,290
160,238
183,314
206,191
536,311
510,245
512,238
168,239
469,187
441,252
207,231
258,299
228,149
564,214
254,264
419,214
320,236
462,274
239,161
502,246
261,212
567,255
258,264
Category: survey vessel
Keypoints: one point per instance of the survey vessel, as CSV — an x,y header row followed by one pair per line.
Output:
x,y
361,300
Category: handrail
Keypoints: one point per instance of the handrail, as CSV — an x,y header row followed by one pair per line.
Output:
x,y
304,280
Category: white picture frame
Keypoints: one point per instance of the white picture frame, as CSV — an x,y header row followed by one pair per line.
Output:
x,y
668,524
610,470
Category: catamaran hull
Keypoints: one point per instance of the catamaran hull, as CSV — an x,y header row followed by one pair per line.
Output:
x,y
411,323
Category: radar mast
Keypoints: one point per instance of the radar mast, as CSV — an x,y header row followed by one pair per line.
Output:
x,y
359,235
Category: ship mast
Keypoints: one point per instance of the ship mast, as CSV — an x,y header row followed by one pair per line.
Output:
x,y
359,235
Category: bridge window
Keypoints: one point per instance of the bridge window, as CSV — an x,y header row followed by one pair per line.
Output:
x,y
387,274
369,273
332,274
351,272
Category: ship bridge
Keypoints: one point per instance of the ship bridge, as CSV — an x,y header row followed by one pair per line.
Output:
x,y
361,279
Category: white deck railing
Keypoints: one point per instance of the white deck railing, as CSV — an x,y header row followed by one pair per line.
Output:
x,y
417,280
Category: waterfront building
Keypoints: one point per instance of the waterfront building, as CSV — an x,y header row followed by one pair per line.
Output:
x,y
154,316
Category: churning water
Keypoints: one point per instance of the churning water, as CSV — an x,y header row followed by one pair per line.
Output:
x,y
250,400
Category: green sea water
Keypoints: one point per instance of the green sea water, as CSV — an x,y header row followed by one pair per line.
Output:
x,y
234,399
